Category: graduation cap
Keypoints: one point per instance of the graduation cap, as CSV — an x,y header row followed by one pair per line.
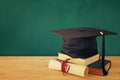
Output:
x,y
81,42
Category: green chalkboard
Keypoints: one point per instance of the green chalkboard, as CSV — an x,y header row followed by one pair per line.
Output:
x,y
25,24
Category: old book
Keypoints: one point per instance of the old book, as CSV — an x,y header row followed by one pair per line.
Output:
x,y
79,70
96,68
80,61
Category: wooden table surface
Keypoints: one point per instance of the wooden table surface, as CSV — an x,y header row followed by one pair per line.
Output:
x,y
36,68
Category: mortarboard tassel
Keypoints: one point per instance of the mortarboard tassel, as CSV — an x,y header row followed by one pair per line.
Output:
x,y
103,55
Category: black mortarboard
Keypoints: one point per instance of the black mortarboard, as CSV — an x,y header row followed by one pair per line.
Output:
x,y
82,32
81,42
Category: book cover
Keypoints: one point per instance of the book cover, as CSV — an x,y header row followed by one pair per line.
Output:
x,y
80,61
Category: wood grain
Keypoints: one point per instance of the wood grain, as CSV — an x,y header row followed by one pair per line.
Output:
x,y
36,68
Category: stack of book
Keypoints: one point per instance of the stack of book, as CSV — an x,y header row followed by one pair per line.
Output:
x,y
79,66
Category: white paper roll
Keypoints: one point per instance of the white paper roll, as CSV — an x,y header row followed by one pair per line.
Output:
x,y
79,70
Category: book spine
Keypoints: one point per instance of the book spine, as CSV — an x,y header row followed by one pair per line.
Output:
x,y
96,71
79,70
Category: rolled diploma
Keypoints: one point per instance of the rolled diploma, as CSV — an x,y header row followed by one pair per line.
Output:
x,y
79,70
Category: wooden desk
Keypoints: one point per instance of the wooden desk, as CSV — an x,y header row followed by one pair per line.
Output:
x,y
36,68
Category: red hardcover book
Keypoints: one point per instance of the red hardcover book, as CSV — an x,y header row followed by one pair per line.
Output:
x,y
96,67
